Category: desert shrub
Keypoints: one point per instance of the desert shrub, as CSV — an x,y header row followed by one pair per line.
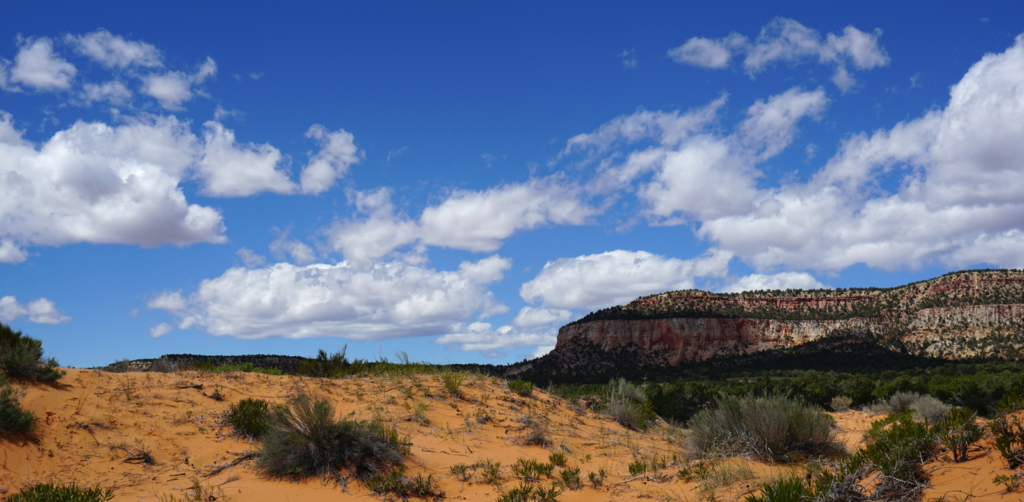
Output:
x,y
787,489
250,417
1008,435
771,428
163,365
638,466
549,494
397,483
929,408
521,387
305,439
959,431
13,419
628,405
903,401
47,492
452,381
899,445
21,357
326,366
841,403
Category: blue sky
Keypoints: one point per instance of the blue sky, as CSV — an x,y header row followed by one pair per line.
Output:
x,y
458,181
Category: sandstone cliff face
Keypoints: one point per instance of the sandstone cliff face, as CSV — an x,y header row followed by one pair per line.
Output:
x,y
959,315
675,341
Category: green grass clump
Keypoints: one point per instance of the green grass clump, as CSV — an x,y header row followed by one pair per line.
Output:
x,y
21,358
522,387
789,489
306,439
570,478
627,403
397,483
13,420
326,366
557,458
638,466
772,428
452,381
250,417
1008,433
47,492
530,469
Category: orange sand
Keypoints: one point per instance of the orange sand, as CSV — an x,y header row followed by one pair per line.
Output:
x,y
88,425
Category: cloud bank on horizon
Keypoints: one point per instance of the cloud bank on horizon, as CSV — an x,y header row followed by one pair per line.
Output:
x,y
945,186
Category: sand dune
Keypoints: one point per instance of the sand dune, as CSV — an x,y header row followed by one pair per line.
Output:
x,y
101,429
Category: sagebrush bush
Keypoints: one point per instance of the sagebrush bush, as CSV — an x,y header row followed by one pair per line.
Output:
x,y
163,365
841,403
522,387
930,409
250,417
13,420
627,404
21,357
772,428
47,492
306,439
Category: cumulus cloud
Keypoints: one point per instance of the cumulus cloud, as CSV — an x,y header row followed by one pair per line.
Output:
x,y
476,221
113,92
596,281
173,88
301,253
232,170
113,51
251,259
960,188
693,172
337,152
160,330
40,310
529,317
707,53
100,184
388,300
38,67
479,336
789,41
782,280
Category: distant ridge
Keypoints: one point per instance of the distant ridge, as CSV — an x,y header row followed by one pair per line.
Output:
x,y
967,315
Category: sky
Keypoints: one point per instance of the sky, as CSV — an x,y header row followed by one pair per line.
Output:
x,y
458,180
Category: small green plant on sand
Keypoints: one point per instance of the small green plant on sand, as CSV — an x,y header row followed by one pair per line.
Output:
x,y
47,492
452,381
521,387
250,417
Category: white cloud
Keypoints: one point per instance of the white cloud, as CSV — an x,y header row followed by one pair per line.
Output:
x,y
628,58
957,199
596,281
471,220
789,41
114,51
529,317
301,253
232,170
113,92
170,301
40,310
707,53
100,184
695,174
782,280
173,88
37,66
250,258
160,330
388,300
479,336
337,152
